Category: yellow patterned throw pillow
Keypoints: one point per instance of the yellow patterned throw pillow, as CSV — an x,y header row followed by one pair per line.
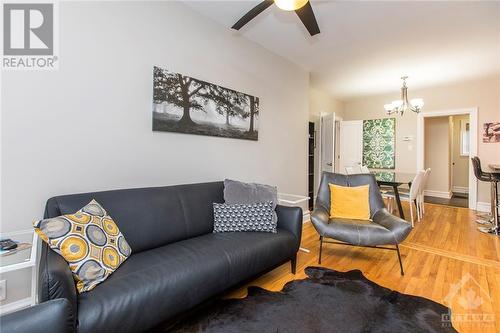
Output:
x,y
89,240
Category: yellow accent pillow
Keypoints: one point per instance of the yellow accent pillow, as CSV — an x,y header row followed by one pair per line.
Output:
x,y
350,202
89,240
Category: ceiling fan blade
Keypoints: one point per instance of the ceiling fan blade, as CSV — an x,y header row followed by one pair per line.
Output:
x,y
252,13
307,17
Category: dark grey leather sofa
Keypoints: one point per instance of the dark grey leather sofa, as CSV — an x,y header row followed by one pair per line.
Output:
x,y
176,262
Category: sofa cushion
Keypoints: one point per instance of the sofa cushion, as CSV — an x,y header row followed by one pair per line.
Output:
x,y
244,217
155,285
151,217
89,241
236,192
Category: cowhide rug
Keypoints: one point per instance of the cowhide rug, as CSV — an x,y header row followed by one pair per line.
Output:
x,y
326,301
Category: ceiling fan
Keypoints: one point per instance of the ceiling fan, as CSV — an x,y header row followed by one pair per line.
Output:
x,y
301,7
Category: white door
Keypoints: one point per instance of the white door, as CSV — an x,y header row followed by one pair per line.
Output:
x,y
351,144
327,142
336,148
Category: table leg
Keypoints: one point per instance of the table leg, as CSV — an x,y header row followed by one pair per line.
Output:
x,y
398,201
494,203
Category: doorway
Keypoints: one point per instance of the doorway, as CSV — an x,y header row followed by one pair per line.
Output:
x,y
445,142
351,144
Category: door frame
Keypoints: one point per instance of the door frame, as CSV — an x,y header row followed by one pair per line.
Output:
x,y
473,141
320,146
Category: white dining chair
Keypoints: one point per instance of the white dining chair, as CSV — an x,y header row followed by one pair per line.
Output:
x,y
364,169
411,197
390,199
422,190
352,170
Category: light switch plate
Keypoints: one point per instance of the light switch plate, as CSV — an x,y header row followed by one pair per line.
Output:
x,y
3,290
408,138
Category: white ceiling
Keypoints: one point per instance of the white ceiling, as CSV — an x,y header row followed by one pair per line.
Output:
x,y
365,46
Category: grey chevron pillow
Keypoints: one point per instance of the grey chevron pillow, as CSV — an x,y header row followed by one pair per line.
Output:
x,y
244,217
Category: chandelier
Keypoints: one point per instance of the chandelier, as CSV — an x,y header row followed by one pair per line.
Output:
x,y
401,105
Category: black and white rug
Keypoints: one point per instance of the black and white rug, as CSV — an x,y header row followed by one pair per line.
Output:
x,y
326,301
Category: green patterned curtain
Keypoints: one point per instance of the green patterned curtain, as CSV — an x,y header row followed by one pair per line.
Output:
x,y
378,143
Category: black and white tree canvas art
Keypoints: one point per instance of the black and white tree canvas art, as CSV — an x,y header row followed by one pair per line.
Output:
x,y
187,105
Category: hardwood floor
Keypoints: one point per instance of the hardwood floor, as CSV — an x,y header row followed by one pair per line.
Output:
x,y
445,259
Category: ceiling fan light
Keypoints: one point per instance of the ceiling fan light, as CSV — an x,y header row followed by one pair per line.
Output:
x,y
290,4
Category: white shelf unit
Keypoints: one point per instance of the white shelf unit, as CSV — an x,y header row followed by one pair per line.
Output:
x,y
19,270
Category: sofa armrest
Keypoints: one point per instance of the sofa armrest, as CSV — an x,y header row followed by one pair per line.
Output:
x,y
54,316
399,227
55,278
320,218
290,218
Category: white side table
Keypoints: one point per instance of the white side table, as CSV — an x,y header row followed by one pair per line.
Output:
x,y
294,200
18,273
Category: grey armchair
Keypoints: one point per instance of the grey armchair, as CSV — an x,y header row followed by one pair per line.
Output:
x,y
384,229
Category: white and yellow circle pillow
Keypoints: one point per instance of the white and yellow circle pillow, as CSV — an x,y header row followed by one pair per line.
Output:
x,y
89,241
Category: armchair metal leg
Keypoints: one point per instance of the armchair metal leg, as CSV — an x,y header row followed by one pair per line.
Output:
x,y
293,263
320,249
400,262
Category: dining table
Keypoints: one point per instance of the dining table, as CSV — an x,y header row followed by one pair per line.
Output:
x,y
395,180
494,167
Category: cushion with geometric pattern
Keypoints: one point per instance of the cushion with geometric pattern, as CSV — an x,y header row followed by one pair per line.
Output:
x,y
89,240
244,217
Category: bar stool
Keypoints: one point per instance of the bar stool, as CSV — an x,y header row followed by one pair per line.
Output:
x,y
485,219
490,226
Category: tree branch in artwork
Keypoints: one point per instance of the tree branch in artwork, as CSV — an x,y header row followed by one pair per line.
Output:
x,y
227,102
254,110
178,90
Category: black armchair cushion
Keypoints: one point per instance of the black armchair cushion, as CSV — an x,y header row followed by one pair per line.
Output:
x,y
54,316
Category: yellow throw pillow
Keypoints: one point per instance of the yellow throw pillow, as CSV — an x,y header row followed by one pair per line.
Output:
x,y
350,202
89,240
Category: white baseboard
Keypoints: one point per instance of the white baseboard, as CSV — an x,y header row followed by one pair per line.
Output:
x,y
438,194
483,207
460,189
306,216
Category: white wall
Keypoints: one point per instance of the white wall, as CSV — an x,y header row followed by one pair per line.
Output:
x,y
87,126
